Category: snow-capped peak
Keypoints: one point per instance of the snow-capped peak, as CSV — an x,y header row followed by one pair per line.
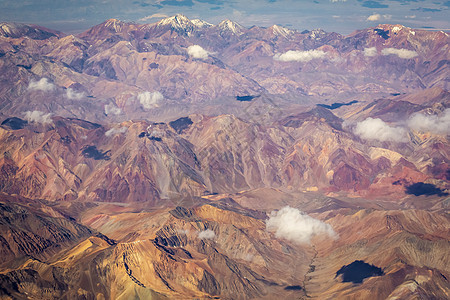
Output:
x,y
15,30
279,30
397,28
201,24
178,21
8,29
317,33
230,26
115,24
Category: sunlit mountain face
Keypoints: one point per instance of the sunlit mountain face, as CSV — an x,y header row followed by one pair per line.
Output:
x,y
188,160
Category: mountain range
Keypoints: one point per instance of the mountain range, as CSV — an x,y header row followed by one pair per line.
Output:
x,y
182,159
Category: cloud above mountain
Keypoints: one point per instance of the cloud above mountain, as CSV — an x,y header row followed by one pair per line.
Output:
x,y
377,129
114,131
299,56
41,85
378,17
206,234
37,116
74,95
374,17
374,4
291,224
153,17
371,51
150,100
402,53
111,109
197,51
431,123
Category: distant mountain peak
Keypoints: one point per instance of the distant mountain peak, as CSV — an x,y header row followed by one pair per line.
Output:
x,y
393,28
317,33
15,30
178,23
230,26
397,28
114,24
201,24
7,26
280,30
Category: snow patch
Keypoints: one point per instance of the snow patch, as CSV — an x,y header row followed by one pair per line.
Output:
x,y
230,26
201,24
397,28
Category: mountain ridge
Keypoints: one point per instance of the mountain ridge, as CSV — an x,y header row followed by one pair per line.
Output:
x,y
187,160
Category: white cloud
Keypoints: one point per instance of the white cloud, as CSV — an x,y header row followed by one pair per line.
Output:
x,y
378,17
74,95
239,15
150,100
410,17
431,123
377,129
402,53
197,51
183,231
114,131
372,51
111,109
334,1
374,17
41,85
292,224
301,56
154,16
38,117
206,234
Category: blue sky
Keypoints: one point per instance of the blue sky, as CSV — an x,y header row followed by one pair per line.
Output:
x,y
343,16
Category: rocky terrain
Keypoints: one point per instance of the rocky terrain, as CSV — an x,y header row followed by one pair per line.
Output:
x,y
127,70
183,159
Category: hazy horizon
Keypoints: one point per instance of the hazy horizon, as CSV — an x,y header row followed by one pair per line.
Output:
x,y
342,16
